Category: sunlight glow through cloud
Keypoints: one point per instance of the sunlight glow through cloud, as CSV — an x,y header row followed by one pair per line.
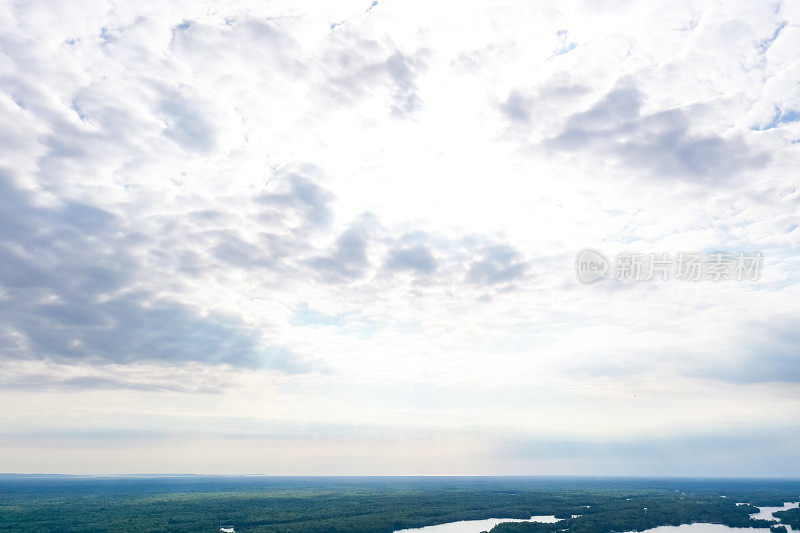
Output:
x,y
335,237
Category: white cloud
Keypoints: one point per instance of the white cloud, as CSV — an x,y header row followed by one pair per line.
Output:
x,y
302,213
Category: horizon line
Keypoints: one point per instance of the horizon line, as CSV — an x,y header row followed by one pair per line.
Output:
x,y
409,476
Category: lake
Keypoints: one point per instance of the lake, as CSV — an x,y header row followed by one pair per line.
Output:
x,y
474,526
477,526
765,513
704,528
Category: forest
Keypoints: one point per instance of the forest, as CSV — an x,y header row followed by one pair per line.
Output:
x,y
379,505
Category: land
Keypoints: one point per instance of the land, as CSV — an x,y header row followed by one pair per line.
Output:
x,y
379,505
790,517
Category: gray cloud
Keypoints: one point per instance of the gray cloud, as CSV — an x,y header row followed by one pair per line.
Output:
x,y
414,258
233,250
526,107
347,260
186,124
42,381
690,454
358,67
660,143
67,276
435,260
293,208
757,351
265,44
769,352
496,265
517,107
300,194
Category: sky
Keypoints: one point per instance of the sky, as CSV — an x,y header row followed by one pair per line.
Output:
x,y
340,237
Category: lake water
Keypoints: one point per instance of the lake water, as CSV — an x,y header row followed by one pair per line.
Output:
x,y
765,513
474,526
704,528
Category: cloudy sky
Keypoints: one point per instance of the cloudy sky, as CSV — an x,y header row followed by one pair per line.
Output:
x,y
340,237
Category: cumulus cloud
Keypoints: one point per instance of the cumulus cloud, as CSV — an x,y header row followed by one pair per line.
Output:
x,y
69,293
415,258
299,197
497,264
357,68
347,259
660,143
